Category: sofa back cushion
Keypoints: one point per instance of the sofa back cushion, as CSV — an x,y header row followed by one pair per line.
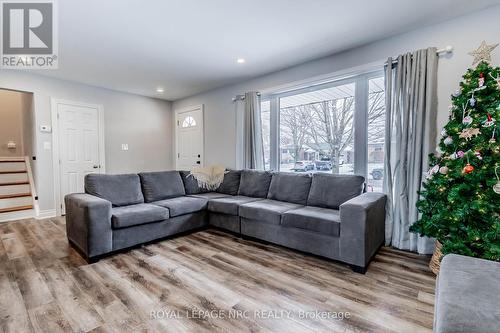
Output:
x,y
290,187
231,183
161,185
191,184
254,183
120,190
330,191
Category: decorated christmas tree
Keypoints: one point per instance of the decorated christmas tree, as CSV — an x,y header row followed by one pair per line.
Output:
x,y
460,200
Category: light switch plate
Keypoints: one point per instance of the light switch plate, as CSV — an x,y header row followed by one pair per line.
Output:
x,y
124,146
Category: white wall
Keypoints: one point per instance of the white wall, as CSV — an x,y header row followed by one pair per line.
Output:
x,y
144,123
464,34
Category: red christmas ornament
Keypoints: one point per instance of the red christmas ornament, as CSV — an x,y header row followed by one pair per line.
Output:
x,y
489,121
481,81
468,168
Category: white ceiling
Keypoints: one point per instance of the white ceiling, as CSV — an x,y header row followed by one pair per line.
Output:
x,y
189,46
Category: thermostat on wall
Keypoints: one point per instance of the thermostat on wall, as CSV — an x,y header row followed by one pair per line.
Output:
x,y
45,129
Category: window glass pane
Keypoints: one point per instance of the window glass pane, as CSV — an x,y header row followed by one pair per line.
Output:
x,y
316,130
376,133
265,109
189,122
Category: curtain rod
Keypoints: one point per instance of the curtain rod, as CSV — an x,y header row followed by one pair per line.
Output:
x,y
446,50
241,97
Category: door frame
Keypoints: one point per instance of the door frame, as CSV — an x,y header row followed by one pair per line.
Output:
x,y
54,103
176,126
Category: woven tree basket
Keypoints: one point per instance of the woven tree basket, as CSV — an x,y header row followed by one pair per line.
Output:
x,y
435,262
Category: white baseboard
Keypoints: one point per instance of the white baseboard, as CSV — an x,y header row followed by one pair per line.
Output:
x,y
45,214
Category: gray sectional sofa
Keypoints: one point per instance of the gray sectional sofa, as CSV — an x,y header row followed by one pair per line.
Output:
x,y
323,214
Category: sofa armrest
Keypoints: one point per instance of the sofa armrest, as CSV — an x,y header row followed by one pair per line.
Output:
x,y
362,227
88,223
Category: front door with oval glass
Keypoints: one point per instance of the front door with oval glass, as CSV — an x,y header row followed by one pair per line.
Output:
x,y
189,138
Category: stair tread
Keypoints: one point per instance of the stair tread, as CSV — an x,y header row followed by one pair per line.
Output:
x,y
16,195
15,209
11,161
20,182
12,171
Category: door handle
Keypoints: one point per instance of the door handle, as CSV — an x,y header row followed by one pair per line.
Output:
x,y
96,167
198,162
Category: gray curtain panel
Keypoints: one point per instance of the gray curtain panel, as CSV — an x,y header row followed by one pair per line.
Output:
x,y
253,157
411,110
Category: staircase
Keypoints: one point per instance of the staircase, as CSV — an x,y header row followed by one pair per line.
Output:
x,y
16,199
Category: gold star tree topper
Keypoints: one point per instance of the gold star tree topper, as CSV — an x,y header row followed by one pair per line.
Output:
x,y
482,53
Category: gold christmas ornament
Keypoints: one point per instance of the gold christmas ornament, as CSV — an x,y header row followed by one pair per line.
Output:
x,y
483,53
468,133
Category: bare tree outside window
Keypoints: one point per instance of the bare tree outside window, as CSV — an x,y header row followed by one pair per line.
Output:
x,y
294,123
265,109
332,124
316,130
376,133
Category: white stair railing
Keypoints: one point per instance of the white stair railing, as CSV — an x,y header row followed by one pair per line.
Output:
x,y
31,180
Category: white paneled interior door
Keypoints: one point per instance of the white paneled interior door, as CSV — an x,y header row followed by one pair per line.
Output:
x,y
189,138
79,138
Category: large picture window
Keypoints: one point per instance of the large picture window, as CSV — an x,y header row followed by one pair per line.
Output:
x,y
335,127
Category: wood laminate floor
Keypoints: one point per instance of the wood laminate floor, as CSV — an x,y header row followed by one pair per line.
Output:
x,y
203,282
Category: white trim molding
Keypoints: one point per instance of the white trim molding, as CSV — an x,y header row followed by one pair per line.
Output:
x,y
54,102
45,214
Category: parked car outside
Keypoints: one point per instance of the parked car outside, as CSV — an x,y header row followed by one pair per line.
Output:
x,y
303,166
377,173
323,165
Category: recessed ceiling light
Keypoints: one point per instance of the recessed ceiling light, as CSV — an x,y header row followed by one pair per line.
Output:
x,y
160,90
240,60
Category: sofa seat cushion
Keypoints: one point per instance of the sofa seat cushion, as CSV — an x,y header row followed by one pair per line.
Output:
x,y
127,216
229,205
120,190
161,185
266,210
321,220
209,195
183,205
